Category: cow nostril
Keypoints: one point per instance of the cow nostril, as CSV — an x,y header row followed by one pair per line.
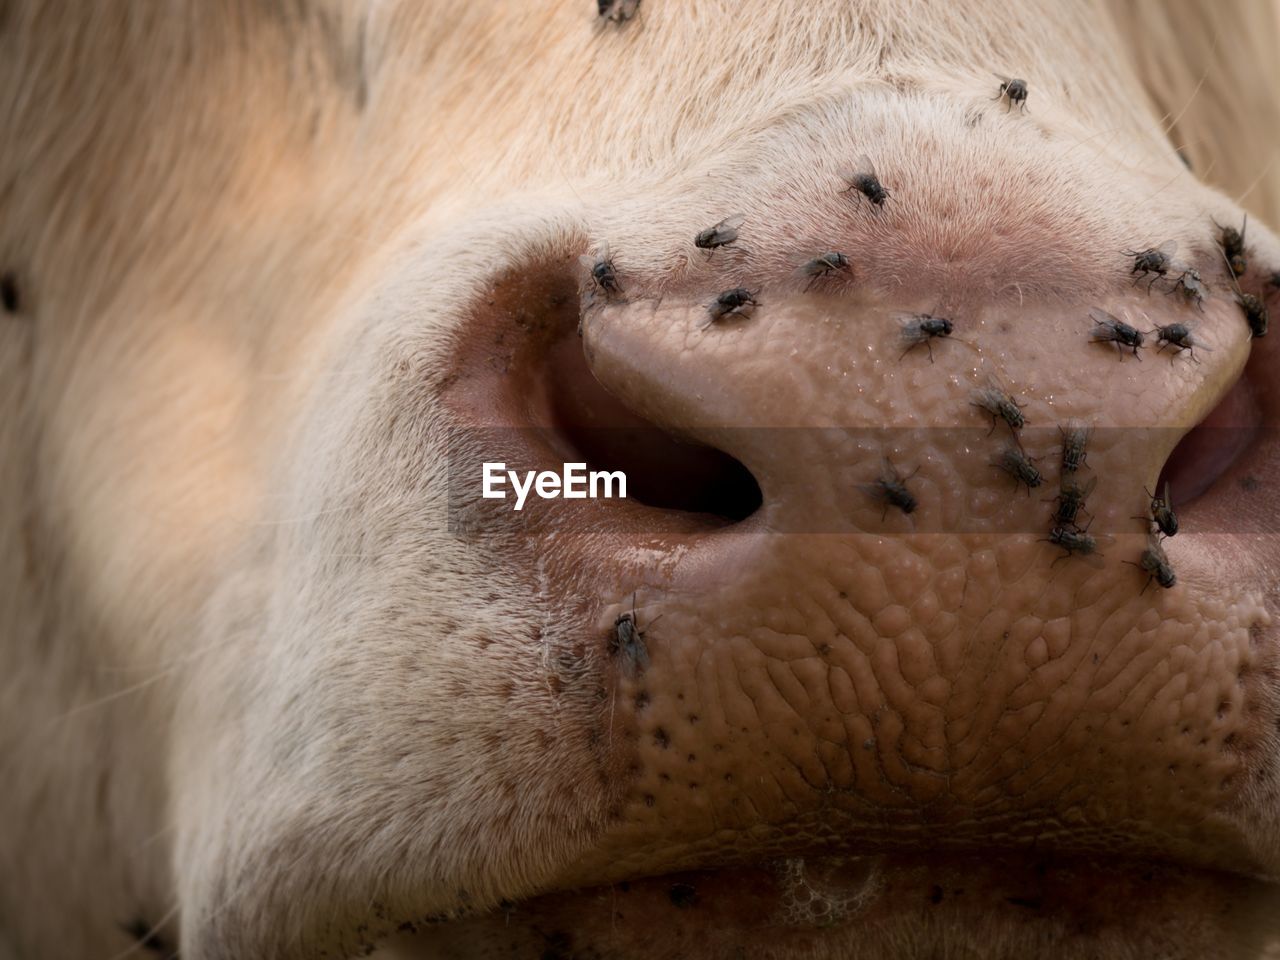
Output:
x,y
1210,448
663,470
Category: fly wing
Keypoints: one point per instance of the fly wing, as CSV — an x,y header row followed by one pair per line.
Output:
x,y
863,167
1168,249
1101,317
810,268
1197,341
1087,490
587,261
731,223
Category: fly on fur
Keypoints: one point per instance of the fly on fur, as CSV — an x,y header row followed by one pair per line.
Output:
x,y
1022,468
862,178
891,489
1014,90
722,234
823,265
1155,262
1075,441
1109,329
1180,337
602,271
1232,242
1162,515
1070,502
617,11
999,404
739,300
923,328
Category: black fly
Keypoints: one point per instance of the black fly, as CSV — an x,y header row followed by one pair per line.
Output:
x,y
1156,261
924,328
627,641
1074,441
1019,466
602,271
1232,242
1070,499
1162,514
1108,329
891,488
738,300
1000,405
1180,337
1191,287
823,266
1255,311
1015,90
617,11
1156,564
722,234
863,179
1072,540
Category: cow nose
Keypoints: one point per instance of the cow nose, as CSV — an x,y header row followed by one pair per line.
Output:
x,y
869,664
852,420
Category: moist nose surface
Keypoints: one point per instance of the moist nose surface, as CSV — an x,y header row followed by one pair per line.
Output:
x,y
845,673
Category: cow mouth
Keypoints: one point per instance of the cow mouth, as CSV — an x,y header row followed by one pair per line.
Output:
x,y
879,906
691,489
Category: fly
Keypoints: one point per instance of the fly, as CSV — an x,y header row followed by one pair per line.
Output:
x,y
863,179
1072,541
1075,440
1153,261
1108,329
1162,515
1156,564
999,405
1014,90
924,328
823,266
1180,337
602,271
739,300
891,488
1232,242
1070,499
1019,466
722,234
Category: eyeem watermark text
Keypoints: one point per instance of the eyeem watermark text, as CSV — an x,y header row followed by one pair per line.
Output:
x,y
574,483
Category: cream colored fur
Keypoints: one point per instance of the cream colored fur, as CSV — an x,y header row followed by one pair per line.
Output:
x,y
200,201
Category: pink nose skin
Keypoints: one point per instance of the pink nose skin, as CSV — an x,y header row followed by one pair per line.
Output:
x,y
836,675
870,674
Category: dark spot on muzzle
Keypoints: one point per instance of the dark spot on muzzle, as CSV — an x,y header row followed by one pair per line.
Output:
x,y
9,297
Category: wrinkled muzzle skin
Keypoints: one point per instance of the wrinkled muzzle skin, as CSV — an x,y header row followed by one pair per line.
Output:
x,y
282,684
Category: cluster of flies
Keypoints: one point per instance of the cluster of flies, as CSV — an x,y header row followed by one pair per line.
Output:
x,y
1159,264
1154,264
1065,528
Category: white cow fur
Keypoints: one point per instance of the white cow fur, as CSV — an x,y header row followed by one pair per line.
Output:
x,y
235,224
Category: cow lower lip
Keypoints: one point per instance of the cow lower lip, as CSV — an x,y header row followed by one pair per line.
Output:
x,y
862,906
